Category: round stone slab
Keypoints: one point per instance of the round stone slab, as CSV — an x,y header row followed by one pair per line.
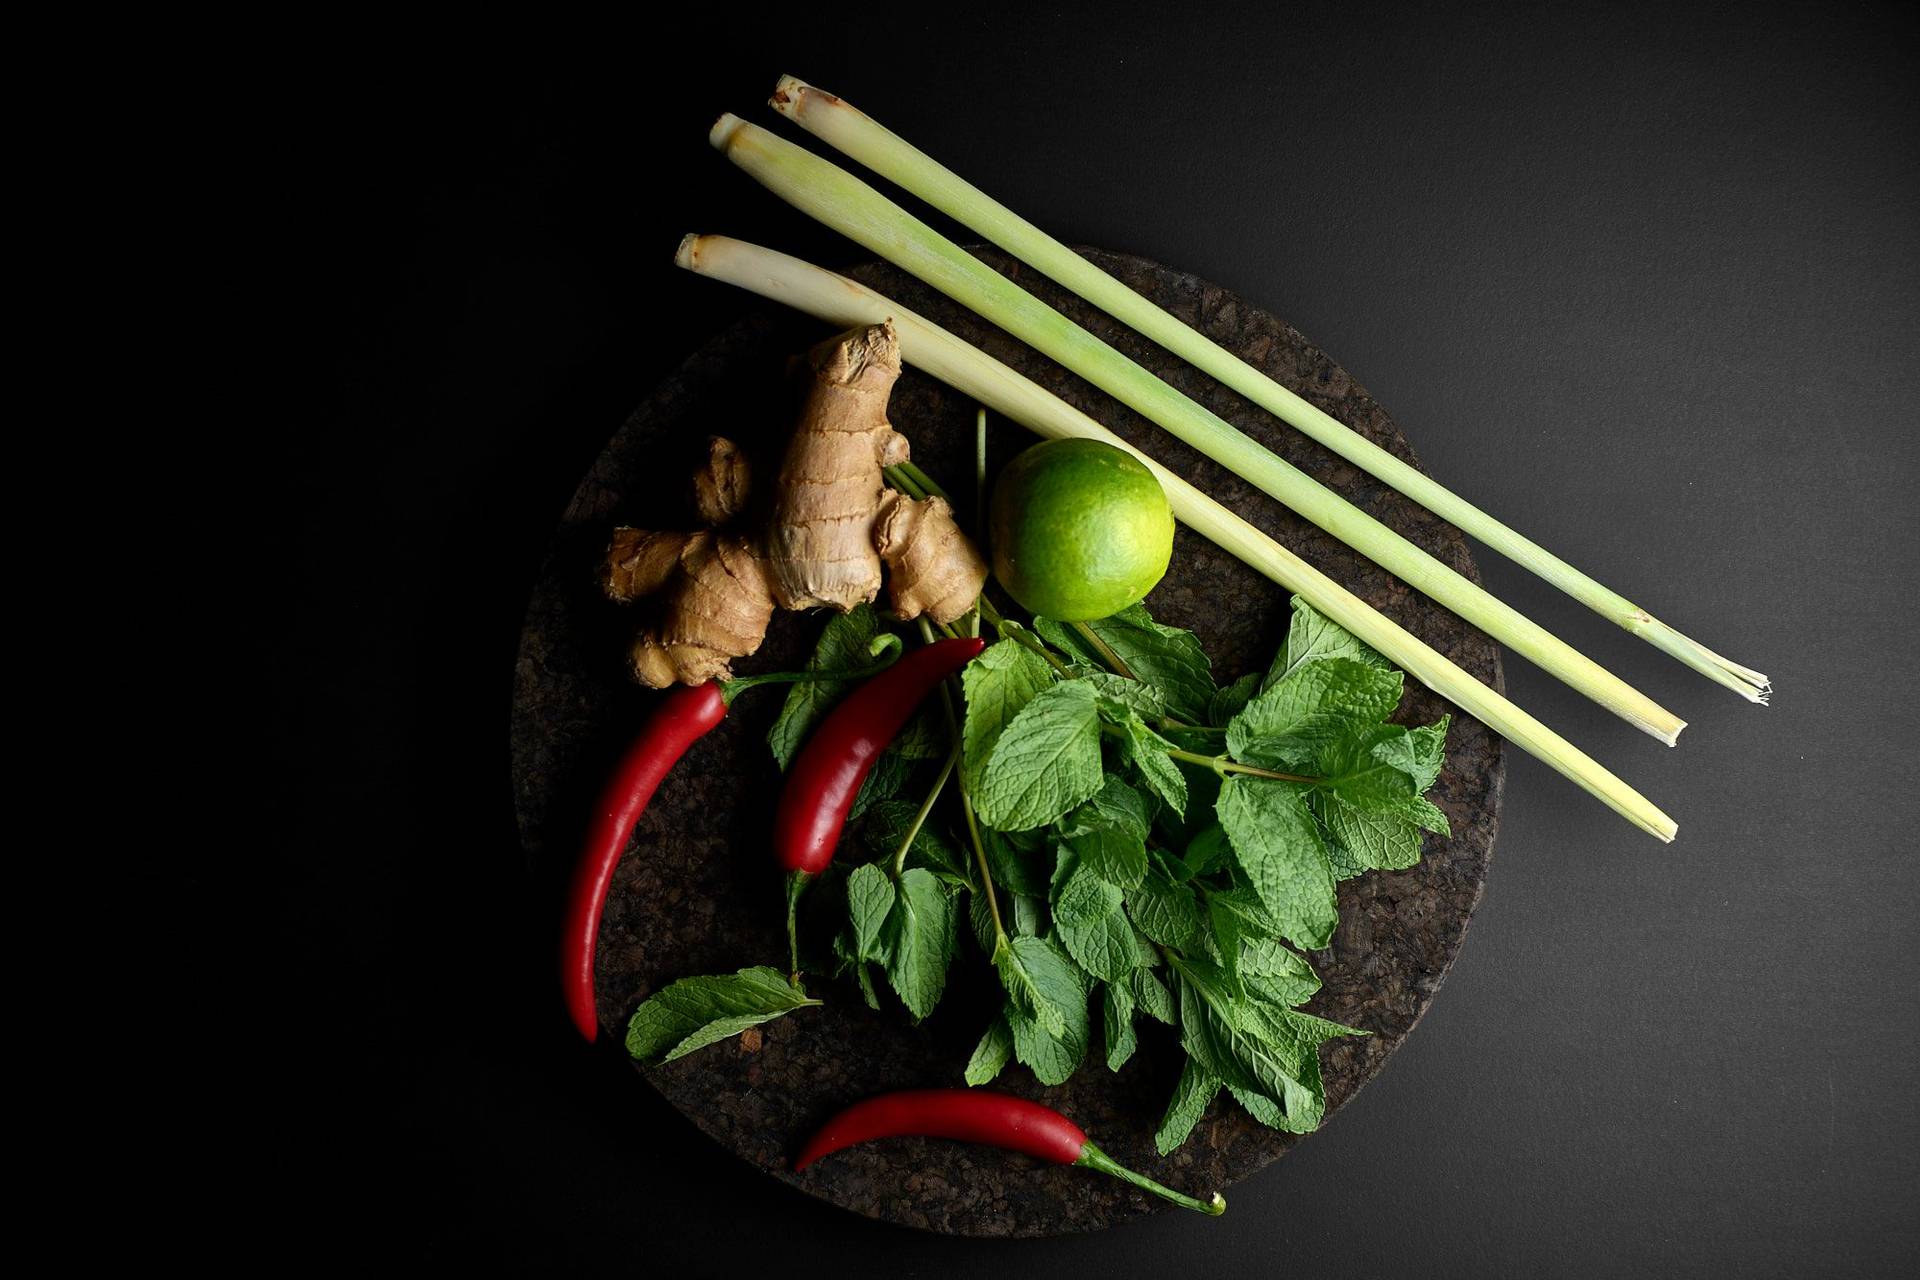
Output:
x,y
698,891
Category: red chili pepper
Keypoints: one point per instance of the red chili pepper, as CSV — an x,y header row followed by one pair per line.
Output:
x,y
827,774
682,718
993,1119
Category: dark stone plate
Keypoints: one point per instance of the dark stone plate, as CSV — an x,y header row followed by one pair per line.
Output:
x,y
700,894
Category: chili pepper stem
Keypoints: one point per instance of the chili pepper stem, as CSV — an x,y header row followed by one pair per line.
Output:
x,y
1092,1157
1114,661
926,807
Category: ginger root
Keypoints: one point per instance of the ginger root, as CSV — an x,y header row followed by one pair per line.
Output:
x,y
834,525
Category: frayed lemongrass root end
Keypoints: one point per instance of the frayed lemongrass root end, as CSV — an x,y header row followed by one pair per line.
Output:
x,y
1745,681
723,130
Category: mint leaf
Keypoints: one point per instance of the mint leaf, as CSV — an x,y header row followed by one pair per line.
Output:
x,y
1048,1008
1116,1010
1152,998
991,1054
1096,931
1313,706
1235,1044
1046,761
888,823
1169,659
1191,1097
1278,846
869,901
1043,983
1167,912
919,941
1226,928
1380,841
981,918
1018,870
1261,1108
1227,702
1029,918
1124,694
1207,850
1418,753
843,643
1295,1039
998,685
882,783
1353,773
1117,857
695,1012
925,736
1052,1058
1147,751
1276,975
1342,860
1115,805
1312,636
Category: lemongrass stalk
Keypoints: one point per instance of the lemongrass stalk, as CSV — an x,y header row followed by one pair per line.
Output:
x,y
873,145
820,188
843,302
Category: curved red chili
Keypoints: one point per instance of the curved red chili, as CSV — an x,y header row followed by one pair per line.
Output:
x,y
828,772
992,1119
682,718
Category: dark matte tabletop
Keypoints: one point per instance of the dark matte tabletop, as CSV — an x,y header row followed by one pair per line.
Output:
x,y
1645,283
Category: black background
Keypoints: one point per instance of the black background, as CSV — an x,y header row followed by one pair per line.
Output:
x,y
1644,282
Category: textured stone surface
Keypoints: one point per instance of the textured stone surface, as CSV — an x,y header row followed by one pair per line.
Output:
x,y
699,893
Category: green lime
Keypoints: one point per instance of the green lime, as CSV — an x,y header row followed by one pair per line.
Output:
x,y
1080,529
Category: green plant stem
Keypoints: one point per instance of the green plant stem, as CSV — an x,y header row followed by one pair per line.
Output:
x,y
986,873
1026,639
925,481
973,825
872,145
1220,764
899,479
1114,661
1224,765
1092,1157
926,807
797,882
980,480
885,647
839,200
842,302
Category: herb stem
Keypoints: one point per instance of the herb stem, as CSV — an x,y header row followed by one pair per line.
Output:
x,y
986,875
926,807
899,479
980,481
1221,764
1114,661
928,487
973,828
1019,634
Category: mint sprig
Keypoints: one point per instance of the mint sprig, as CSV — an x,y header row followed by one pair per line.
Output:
x,y
1163,851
